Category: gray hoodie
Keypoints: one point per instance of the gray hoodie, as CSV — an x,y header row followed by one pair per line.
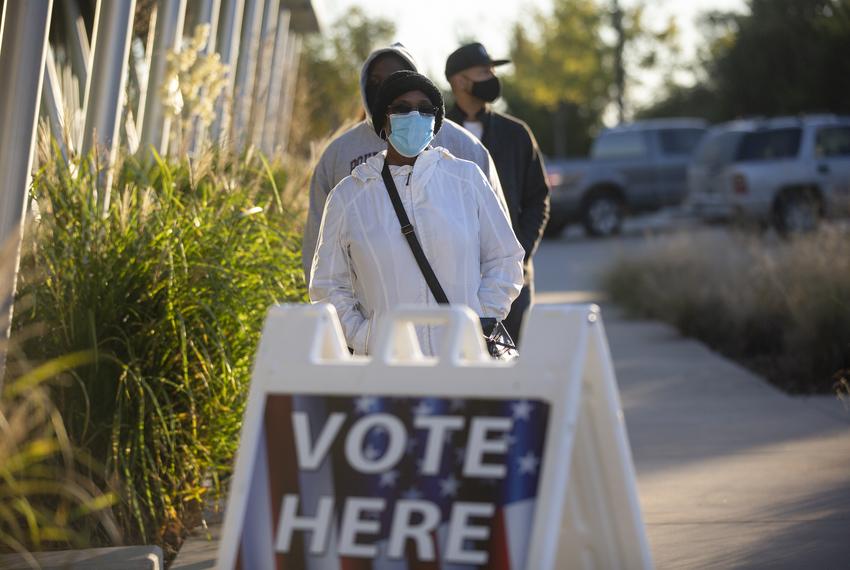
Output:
x,y
360,142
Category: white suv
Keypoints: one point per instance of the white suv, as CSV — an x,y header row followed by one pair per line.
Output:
x,y
789,172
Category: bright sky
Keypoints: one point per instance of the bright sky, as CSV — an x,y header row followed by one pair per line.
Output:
x,y
433,29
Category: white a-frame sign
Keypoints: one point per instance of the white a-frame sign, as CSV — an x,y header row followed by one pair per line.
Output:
x,y
457,461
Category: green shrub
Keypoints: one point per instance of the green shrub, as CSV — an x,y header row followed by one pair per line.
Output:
x,y
47,500
167,287
783,308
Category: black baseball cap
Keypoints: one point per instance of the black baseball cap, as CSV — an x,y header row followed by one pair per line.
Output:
x,y
468,56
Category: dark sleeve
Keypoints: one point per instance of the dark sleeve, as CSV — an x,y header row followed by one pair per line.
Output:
x,y
535,199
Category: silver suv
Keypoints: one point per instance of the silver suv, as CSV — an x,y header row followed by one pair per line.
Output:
x,y
788,172
636,167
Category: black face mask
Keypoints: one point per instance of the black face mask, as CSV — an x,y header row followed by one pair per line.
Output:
x,y
487,90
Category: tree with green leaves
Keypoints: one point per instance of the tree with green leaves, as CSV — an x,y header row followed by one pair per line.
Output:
x,y
783,57
329,85
562,75
574,62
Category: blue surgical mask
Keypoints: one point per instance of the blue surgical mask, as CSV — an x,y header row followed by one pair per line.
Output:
x,y
411,133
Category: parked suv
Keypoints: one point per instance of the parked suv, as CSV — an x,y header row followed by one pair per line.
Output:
x,y
635,167
788,172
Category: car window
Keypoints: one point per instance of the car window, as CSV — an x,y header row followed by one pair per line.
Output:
x,y
630,144
679,141
770,144
832,141
718,148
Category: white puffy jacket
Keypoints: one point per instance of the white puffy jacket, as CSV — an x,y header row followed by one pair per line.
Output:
x,y
364,266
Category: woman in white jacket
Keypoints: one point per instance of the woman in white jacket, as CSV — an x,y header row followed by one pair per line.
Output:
x,y
363,264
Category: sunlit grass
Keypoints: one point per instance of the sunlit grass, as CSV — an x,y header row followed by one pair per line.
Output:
x,y
48,498
783,308
167,291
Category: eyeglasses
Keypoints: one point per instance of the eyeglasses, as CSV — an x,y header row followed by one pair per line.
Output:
x,y
404,108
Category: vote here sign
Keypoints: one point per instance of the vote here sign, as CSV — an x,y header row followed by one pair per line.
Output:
x,y
394,482
401,461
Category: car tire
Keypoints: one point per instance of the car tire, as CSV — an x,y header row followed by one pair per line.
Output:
x,y
602,214
797,212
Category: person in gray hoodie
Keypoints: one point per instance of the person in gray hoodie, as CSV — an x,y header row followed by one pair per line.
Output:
x,y
360,142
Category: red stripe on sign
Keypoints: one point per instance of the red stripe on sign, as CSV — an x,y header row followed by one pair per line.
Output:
x,y
499,558
355,564
283,471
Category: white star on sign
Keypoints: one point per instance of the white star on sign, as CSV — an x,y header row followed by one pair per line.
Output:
x,y
456,404
389,479
528,463
413,493
522,410
449,486
460,454
371,453
364,404
423,409
509,440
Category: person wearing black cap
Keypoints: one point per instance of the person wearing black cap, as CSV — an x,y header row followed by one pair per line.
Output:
x,y
363,264
470,71
360,142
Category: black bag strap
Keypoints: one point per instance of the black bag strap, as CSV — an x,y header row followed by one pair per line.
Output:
x,y
412,241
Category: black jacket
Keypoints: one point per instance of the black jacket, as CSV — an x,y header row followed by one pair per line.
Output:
x,y
520,168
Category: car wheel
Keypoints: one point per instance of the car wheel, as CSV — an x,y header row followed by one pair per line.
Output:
x,y
603,215
797,213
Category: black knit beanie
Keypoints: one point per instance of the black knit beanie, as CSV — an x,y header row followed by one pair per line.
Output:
x,y
400,83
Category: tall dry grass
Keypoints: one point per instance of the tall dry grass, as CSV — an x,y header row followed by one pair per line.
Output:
x,y
782,308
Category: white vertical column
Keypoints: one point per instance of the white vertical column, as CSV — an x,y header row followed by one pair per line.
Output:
x,y
78,41
51,95
290,83
170,15
265,52
208,12
245,68
23,47
227,44
269,125
105,87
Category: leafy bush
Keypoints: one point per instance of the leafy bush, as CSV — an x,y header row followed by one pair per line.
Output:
x,y
781,308
168,288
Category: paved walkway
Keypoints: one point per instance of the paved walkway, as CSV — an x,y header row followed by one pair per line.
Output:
x,y
731,472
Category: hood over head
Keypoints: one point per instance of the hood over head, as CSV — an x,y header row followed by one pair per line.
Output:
x,y
397,49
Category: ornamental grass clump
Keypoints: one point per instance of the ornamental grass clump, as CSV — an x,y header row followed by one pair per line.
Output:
x,y
780,307
167,289
48,497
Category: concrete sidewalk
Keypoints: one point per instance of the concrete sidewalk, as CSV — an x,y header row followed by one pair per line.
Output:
x,y
731,472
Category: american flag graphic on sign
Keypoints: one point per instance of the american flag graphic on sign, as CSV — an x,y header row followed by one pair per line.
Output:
x,y
396,483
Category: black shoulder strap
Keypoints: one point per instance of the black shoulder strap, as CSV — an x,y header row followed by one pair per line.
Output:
x,y
412,241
